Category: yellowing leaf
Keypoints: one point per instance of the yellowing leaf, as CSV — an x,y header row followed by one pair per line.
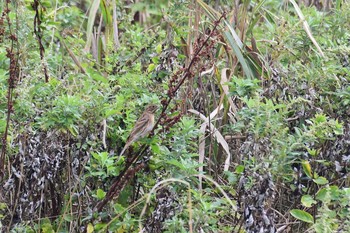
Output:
x,y
320,180
307,200
307,168
159,48
151,67
90,228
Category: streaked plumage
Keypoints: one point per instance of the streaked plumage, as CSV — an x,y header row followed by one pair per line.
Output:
x,y
142,126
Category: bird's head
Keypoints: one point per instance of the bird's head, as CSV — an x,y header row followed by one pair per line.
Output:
x,y
151,108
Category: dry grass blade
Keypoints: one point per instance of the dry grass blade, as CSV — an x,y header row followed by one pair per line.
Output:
x,y
217,135
201,147
72,55
92,15
201,151
306,27
94,46
215,112
224,80
115,26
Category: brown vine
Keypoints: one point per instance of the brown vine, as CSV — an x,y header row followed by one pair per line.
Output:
x,y
12,80
38,33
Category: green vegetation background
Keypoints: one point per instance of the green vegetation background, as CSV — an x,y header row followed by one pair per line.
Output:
x,y
255,138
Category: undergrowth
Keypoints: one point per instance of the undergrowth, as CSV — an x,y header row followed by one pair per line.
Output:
x,y
252,134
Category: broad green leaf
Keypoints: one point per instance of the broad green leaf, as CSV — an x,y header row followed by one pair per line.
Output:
x,y
46,4
334,192
322,194
100,194
239,169
231,177
320,180
302,215
307,200
155,148
109,112
95,155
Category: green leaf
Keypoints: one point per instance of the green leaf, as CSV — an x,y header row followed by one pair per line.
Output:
x,y
334,192
176,163
320,180
151,67
307,200
312,152
46,4
320,118
302,215
159,48
109,112
95,155
98,77
100,194
338,128
307,168
107,17
239,169
231,177
73,130
155,148
322,194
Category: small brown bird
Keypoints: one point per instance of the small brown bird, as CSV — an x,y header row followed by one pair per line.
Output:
x,y
142,126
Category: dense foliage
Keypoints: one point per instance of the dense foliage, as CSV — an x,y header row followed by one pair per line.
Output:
x,y
252,132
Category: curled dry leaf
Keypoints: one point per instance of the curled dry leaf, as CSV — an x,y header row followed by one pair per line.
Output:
x,y
217,135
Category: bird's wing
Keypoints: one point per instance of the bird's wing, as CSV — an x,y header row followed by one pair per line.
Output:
x,y
139,130
140,126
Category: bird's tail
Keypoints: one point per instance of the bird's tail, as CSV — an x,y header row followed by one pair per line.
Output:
x,y
124,149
